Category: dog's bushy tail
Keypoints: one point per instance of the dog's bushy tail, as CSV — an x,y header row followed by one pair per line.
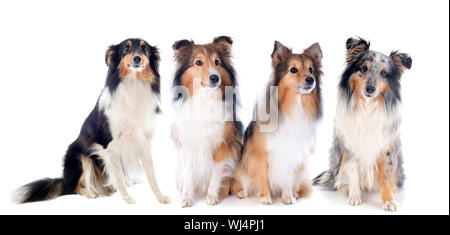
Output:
x,y
51,188
40,190
327,180
324,180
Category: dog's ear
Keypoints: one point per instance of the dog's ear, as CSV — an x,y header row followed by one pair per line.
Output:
x,y
181,45
181,49
280,53
223,44
402,61
315,52
110,53
355,47
155,59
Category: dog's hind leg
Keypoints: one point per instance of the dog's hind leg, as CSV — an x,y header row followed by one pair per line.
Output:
x,y
237,188
93,182
85,186
225,189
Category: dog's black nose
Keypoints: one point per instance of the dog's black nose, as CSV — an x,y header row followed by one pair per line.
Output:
x,y
370,89
137,59
214,78
309,80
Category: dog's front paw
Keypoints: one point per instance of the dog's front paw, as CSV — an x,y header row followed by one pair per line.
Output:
x,y
266,200
91,195
240,194
288,200
129,200
212,200
354,200
390,206
163,199
185,203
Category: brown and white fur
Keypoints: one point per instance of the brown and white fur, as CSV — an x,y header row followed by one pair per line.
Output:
x,y
206,132
366,153
276,161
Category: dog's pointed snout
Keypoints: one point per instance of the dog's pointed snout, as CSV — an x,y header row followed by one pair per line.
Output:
x,y
309,80
214,78
137,59
370,89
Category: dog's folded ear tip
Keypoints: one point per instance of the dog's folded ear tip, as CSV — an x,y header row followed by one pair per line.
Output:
x,y
353,42
181,43
223,38
402,59
408,63
349,43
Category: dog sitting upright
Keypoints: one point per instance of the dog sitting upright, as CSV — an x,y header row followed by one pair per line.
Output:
x,y
114,140
206,130
366,152
275,160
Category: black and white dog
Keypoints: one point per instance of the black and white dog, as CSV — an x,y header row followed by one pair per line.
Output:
x,y
115,138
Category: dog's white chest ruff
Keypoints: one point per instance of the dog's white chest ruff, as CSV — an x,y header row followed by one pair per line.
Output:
x,y
367,131
289,148
200,125
130,111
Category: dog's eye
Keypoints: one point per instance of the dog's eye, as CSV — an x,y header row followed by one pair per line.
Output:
x,y
364,69
311,70
383,72
144,49
294,70
199,63
217,62
126,49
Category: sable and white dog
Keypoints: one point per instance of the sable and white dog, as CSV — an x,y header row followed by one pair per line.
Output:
x,y
276,161
206,131
366,153
115,138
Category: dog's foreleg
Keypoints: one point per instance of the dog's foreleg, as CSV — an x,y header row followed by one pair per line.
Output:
x,y
215,182
147,163
352,173
188,182
287,197
264,184
188,191
387,184
114,169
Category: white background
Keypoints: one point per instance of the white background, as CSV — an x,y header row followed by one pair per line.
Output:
x,y
53,69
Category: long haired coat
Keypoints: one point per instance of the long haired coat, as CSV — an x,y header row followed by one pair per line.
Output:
x,y
114,141
206,131
275,159
366,153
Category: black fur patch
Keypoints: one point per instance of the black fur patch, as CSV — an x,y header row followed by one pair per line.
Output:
x,y
95,129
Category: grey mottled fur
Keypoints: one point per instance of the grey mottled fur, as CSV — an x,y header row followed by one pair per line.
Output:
x,y
383,69
327,179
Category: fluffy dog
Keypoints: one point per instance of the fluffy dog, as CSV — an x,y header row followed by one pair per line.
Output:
x,y
206,130
114,140
276,161
366,153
